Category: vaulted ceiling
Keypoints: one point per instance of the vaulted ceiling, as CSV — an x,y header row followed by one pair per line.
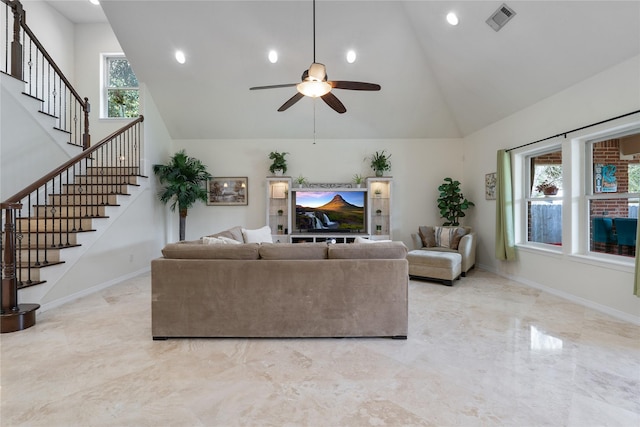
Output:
x,y
438,80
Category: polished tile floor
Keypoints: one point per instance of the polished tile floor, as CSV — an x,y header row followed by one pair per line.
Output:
x,y
486,352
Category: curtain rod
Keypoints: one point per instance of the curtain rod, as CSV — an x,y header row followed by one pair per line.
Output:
x,y
574,130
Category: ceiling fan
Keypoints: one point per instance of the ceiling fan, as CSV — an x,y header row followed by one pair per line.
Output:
x,y
315,84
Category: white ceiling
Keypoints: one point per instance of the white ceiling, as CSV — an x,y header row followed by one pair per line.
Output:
x,y
437,80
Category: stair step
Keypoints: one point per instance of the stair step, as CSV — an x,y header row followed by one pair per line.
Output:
x,y
22,285
39,255
113,170
103,188
54,224
85,199
106,179
51,238
57,211
29,274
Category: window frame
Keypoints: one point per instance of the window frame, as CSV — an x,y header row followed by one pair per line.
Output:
x,y
104,88
577,191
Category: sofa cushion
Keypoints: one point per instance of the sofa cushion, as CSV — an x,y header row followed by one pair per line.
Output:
x,y
234,233
191,250
448,237
383,250
222,240
427,235
260,235
293,251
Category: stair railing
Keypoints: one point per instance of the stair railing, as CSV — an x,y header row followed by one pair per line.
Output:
x,y
40,217
26,59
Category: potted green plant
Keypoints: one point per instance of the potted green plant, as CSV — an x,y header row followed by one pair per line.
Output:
x,y
378,212
380,162
280,212
548,188
279,165
301,181
451,202
358,180
184,180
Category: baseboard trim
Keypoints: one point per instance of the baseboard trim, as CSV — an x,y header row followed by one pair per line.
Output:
x,y
70,298
565,295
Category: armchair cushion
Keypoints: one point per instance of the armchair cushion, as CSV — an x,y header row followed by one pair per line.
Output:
x,y
448,237
427,235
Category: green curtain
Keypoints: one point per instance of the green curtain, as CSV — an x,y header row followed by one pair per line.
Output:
x,y
636,283
505,242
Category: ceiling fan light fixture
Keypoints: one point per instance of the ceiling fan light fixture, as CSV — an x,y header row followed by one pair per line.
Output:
x,y
313,88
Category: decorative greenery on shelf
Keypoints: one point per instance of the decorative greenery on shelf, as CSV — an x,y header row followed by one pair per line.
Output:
x,y
301,180
548,188
184,178
279,162
451,202
358,179
380,162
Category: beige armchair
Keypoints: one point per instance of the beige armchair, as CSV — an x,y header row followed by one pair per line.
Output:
x,y
466,246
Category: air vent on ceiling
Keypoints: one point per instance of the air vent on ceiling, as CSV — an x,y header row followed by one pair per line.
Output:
x,y
500,17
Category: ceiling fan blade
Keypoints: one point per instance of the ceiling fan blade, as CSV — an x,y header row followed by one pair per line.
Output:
x,y
334,102
295,98
273,86
354,85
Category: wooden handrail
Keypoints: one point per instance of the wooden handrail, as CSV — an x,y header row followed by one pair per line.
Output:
x,y
16,198
55,67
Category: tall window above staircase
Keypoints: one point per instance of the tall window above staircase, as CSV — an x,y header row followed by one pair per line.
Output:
x,y
120,92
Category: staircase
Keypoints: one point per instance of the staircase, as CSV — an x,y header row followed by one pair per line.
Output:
x,y
45,220
80,207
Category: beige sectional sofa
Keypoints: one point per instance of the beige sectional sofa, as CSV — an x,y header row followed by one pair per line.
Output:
x,y
280,290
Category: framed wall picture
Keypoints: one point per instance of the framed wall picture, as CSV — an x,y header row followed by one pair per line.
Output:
x,y
490,186
228,191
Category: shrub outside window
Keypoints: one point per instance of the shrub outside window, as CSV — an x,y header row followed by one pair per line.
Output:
x,y
120,89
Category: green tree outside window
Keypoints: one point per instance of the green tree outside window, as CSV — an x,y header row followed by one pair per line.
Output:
x,y
122,89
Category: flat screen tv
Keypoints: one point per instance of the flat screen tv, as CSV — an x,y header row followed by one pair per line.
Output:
x,y
330,211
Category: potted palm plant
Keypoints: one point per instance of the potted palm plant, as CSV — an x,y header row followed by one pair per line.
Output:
x,y
184,180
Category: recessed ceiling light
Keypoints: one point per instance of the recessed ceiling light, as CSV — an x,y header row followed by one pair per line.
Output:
x,y
351,56
96,2
273,56
452,18
180,57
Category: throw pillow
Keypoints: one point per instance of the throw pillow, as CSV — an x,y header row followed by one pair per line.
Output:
x,y
260,235
364,240
448,237
234,233
207,240
212,241
427,235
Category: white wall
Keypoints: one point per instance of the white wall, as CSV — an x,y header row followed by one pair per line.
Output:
x,y
608,94
54,31
29,145
92,40
418,168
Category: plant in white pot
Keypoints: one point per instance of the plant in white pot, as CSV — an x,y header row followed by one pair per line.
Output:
x,y
380,162
279,164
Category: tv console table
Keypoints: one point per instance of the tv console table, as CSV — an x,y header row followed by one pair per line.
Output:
x,y
326,237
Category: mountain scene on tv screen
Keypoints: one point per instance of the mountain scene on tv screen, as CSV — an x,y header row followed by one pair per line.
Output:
x,y
336,215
